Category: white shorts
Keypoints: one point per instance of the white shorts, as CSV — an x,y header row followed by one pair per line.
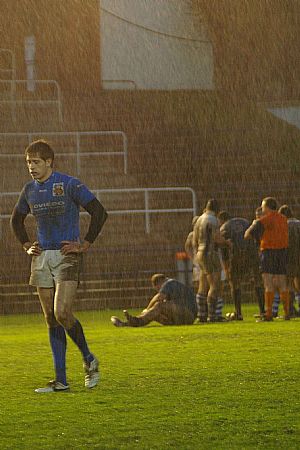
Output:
x,y
196,272
51,267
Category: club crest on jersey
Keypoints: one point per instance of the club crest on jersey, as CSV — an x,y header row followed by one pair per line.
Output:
x,y
58,189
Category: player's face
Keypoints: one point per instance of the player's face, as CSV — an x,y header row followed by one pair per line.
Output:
x,y
39,169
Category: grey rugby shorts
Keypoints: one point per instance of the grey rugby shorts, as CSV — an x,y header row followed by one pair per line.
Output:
x,y
51,267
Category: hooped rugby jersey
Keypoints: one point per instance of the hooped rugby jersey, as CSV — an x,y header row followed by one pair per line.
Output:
x,y
55,204
204,231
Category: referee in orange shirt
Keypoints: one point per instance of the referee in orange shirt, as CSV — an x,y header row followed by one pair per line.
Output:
x,y
272,230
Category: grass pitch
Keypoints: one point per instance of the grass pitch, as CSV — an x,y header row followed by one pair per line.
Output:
x,y
217,386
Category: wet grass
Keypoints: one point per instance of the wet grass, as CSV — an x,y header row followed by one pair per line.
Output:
x,y
225,386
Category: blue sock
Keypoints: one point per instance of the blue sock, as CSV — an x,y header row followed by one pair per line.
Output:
x,y
276,303
219,307
58,344
77,335
201,301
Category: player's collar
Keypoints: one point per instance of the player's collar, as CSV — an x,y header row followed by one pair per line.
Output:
x,y
47,180
211,213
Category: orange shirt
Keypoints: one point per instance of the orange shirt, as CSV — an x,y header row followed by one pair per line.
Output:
x,y
275,235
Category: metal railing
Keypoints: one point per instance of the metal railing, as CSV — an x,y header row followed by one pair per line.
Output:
x,y
14,100
130,83
146,210
30,136
12,68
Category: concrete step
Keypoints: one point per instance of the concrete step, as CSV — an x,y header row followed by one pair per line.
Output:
x,y
94,294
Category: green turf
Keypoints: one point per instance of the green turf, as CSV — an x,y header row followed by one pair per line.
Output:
x,y
224,386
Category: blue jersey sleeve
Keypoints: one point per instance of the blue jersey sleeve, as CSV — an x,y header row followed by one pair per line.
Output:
x,y
22,204
79,192
167,288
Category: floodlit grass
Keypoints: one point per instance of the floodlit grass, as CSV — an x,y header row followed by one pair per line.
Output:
x,y
224,386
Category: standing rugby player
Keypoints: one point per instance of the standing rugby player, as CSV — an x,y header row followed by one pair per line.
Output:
x,y
240,261
206,240
272,227
189,249
54,200
293,267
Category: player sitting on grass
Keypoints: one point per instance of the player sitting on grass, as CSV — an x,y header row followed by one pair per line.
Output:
x,y
174,304
54,200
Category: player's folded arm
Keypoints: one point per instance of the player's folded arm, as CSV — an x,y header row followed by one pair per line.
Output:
x,y
17,224
98,218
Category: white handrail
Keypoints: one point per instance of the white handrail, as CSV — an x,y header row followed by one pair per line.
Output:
x,y
14,101
13,62
77,134
146,211
130,82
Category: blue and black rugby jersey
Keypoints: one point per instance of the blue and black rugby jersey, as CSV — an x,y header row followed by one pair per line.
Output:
x,y
179,294
55,205
234,229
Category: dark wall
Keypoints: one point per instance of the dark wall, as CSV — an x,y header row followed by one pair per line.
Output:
x,y
256,46
67,39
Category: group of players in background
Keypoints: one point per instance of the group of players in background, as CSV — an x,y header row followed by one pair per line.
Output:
x,y
266,252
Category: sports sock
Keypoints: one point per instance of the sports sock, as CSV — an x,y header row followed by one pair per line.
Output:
x,y
269,297
143,319
276,302
211,303
285,298
292,303
58,342
236,294
297,298
202,306
77,335
219,307
259,292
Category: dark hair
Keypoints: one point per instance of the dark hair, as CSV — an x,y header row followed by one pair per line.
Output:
x,y
271,203
224,216
286,211
40,148
212,205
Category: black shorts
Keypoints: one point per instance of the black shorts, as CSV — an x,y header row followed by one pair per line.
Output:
x,y
293,266
274,261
